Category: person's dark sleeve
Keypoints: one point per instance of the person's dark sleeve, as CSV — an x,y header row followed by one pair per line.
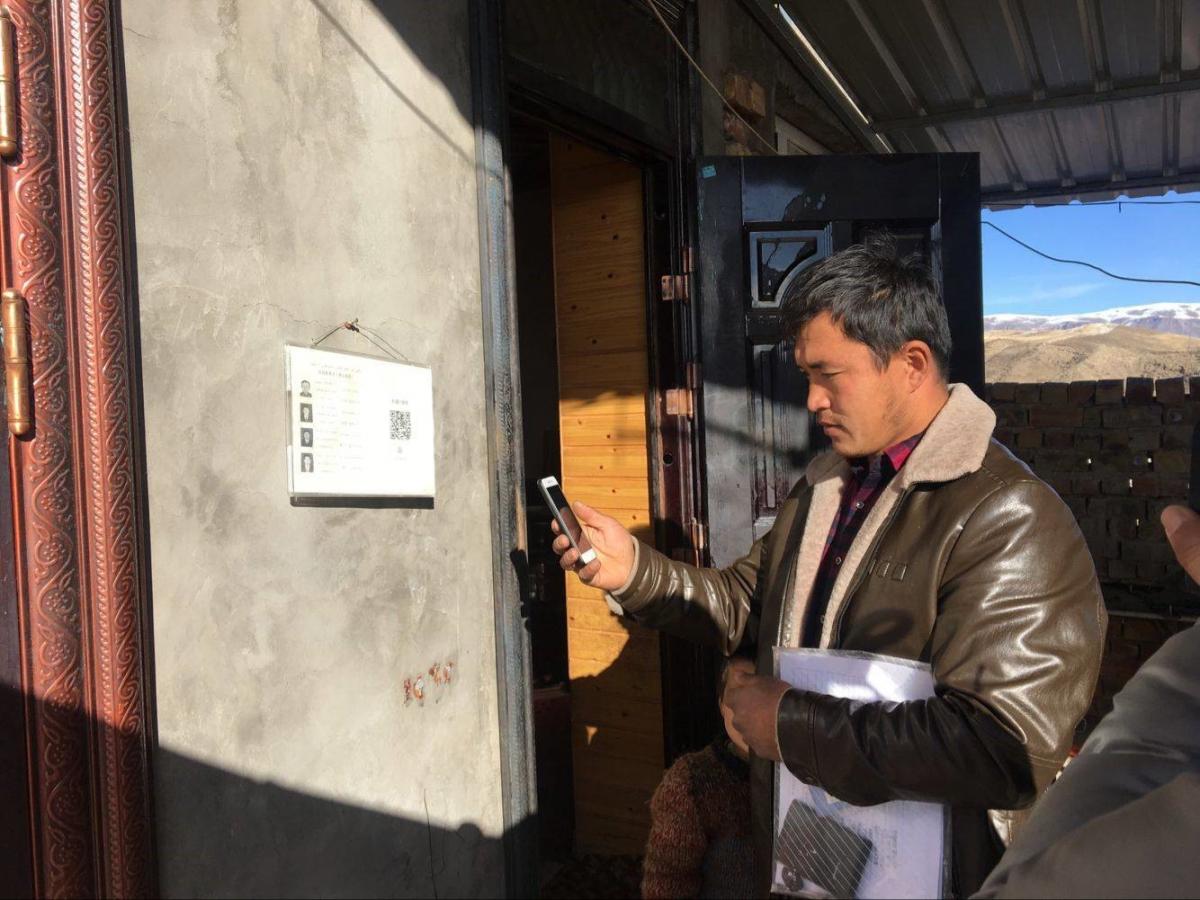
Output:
x,y
1126,812
1015,654
1147,848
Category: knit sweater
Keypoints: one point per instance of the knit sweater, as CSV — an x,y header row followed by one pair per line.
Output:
x,y
700,841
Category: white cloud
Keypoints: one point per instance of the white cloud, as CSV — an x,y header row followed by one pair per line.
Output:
x,y
1040,294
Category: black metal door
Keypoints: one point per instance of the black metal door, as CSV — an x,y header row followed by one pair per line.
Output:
x,y
762,221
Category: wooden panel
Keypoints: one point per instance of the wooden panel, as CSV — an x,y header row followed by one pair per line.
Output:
x,y
612,493
595,305
637,665
604,462
598,402
624,334
604,711
617,801
603,748
608,838
628,773
605,646
604,375
623,371
593,613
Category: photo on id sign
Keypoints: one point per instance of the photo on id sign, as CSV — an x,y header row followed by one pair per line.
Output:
x,y
360,427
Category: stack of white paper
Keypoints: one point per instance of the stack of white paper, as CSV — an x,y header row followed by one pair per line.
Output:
x,y
826,847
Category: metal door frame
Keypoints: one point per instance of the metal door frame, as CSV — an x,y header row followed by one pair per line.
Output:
x,y
80,541
591,119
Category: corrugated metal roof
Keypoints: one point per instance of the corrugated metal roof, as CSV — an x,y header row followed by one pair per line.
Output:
x,y
1062,98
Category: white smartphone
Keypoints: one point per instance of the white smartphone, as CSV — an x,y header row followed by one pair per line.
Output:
x,y
567,522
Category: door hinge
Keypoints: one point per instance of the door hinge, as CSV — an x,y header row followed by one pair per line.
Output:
x,y
699,538
676,287
681,401
16,362
8,86
679,286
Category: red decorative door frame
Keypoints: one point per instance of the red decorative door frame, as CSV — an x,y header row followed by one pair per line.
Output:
x,y
78,477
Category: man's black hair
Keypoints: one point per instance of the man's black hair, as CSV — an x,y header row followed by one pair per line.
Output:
x,y
876,297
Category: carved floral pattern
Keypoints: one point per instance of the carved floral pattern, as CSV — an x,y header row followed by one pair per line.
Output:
x,y
81,561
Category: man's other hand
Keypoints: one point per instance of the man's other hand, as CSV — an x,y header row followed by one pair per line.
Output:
x,y
609,538
1183,531
753,703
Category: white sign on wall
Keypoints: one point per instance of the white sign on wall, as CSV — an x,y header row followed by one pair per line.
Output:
x,y
358,426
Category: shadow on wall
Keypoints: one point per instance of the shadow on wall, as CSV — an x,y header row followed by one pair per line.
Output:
x,y
282,842
235,836
441,50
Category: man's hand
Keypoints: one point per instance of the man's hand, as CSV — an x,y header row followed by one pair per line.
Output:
x,y
753,701
735,736
609,538
1183,531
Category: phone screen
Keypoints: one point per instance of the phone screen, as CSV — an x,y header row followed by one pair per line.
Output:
x,y
568,518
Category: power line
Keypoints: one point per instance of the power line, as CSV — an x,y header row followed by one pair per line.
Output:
x,y
1079,262
695,65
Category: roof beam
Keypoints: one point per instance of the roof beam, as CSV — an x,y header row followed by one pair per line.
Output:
x,y
1060,101
944,28
940,140
1116,159
875,36
1170,24
815,71
1001,195
1093,42
1170,161
1015,178
1022,39
1062,162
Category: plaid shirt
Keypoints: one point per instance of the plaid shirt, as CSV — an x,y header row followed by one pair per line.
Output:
x,y
868,477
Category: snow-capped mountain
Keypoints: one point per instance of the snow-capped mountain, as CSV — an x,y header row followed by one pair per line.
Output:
x,y
1174,318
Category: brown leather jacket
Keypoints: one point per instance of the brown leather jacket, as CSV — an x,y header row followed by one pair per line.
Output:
x,y
968,562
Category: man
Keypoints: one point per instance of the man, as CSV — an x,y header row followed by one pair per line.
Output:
x,y
1124,819
917,536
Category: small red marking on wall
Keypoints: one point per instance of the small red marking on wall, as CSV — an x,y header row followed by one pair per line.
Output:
x,y
420,686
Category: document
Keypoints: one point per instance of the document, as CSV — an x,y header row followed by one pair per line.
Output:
x,y
825,847
358,426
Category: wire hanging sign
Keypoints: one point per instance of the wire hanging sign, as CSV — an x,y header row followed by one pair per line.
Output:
x,y
360,427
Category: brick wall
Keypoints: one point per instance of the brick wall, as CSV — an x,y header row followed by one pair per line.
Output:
x,y
1117,452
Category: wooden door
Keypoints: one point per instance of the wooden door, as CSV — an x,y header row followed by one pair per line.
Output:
x,y
604,380
762,221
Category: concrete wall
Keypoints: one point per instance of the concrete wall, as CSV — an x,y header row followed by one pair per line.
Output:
x,y
297,163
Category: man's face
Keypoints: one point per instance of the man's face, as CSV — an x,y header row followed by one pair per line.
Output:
x,y
860,407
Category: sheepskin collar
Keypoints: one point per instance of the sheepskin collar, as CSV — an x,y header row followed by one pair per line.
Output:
x,y
953,446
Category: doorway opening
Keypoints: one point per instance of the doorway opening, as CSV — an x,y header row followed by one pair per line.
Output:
x,y
580,224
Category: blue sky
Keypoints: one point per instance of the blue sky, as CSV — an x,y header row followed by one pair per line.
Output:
x,y
1136,240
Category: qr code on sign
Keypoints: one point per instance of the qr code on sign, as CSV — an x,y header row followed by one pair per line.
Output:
x,y
401,425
